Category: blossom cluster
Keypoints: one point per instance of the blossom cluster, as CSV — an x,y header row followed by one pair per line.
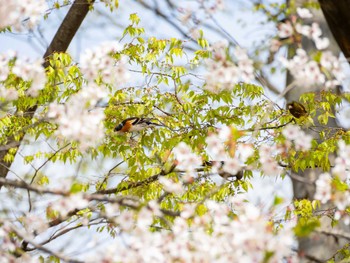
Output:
x,y
74,119
197,9
21,13
269,165
212,237
29,71
297,137
99,63
306,70
289,27
8,94
326,190
186,159
219,146
223,72
213,6
67,204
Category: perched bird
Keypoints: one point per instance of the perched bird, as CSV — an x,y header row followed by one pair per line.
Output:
x,y
133,124
297,109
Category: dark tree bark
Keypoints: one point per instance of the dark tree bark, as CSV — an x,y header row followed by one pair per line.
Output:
x,y
336,13
59,43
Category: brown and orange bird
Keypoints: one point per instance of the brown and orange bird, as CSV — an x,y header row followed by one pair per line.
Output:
x,y
297,109
134,124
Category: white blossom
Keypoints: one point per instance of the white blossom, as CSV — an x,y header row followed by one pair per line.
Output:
x,y
323,188
8,94
293,133
21,14
170,186
223,74
99,62
304,13
67,204
269,165
187,160
245,151
285,30
76,122
231,166
30,71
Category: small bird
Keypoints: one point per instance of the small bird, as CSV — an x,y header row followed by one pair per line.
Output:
x,y
134,124
297,109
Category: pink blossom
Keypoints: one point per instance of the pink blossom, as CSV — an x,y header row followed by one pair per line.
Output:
x,y
219,50
275,45
316,31
285,30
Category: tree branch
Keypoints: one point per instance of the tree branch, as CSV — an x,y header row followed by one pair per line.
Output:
x,y
59,43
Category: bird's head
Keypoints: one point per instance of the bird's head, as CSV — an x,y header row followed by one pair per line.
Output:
x,y
118,127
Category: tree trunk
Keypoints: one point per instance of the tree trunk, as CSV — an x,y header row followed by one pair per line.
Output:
x,y
60,43
317,247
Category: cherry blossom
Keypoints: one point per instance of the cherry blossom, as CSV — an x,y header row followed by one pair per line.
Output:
x,y
304,13
27,70
34,224
342,161
170,186
4,67
285,30
245,238
223,73
269,165
67,204
341,199
33,72
99,62
321,43
293,133
323,188
244,151
21,13
305,71
219,50
75,121
275,45
231,166
187,160
8,94
186,15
